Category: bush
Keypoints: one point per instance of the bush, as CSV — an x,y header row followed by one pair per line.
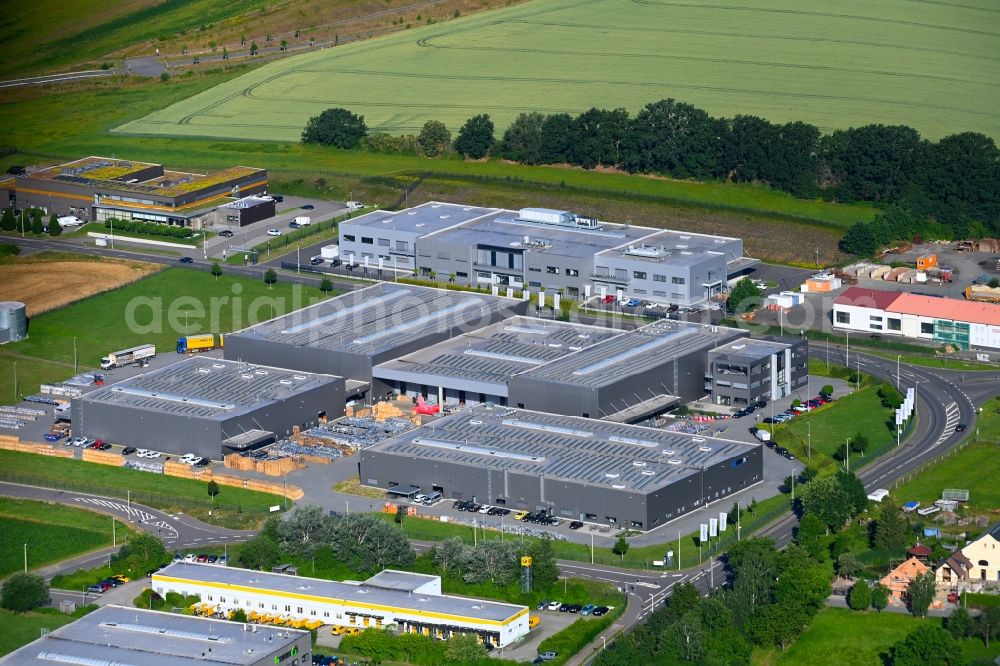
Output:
x,y
148,228
23,591
164,76
150,600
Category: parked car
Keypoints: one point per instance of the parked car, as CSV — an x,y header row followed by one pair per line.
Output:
x,y
178,556
202,462
575,608
96,589
294,225
554,605
354,205
278,198
633,303
960,427
186,260
223,561
599,611
226,233
576,524
79,441
101,446
548,655
54,436
316,261
202,557
520,515
308,207
587,610
542,605
564,608
274,232
212,559
190,557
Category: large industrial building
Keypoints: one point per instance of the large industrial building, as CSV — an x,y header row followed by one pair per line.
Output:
x,y
412,603
120,636
350,334
575,468
544,250
562,368
950,321
101,188
208,406
629,377
747,372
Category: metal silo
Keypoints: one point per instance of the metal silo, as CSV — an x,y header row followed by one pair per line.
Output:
x,y
14,320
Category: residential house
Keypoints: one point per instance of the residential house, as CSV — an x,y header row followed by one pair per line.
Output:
x,y
978,562
898,580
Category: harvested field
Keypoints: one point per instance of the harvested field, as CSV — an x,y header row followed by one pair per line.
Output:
x,y
47,285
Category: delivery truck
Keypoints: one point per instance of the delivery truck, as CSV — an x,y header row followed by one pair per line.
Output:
x,y
125,357
190,344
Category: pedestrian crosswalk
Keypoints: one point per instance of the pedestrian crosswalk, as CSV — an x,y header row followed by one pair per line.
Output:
x,y
165,530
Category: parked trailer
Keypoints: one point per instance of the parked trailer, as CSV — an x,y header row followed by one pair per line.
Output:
x,y
190,344
125,357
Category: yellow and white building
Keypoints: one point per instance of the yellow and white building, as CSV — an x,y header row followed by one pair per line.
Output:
x,y
413,603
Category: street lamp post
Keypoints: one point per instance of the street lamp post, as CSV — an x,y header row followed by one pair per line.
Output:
x,y
15,381
76,368
809,439
899,383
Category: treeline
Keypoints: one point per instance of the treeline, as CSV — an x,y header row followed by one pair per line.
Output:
x,y
954,182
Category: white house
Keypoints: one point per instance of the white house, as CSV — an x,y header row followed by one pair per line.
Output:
x,y
977,563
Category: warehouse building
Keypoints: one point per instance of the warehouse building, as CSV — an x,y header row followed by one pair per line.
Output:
x,y
629,377
747,372
579,469
562,368
412,603
120,636
245,211
102,188
350,334
207,406
538,249
475,367
950,321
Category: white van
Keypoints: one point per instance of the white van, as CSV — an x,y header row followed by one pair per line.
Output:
x,y
762,435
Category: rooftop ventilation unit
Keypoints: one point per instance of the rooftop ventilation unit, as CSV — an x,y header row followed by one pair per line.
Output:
x,y
622,439
545,427
739,346
705,449
647,252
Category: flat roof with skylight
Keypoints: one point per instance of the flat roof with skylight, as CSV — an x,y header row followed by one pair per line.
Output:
x,y
567,448
120,636
208,388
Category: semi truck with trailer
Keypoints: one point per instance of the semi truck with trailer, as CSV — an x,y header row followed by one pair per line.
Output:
x,y
125,357
190,344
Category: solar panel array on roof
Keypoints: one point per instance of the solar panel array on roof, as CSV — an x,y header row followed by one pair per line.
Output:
x,y
593,452
619,357
495,353
207,387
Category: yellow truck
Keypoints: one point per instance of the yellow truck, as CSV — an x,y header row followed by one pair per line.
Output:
x,y
190,344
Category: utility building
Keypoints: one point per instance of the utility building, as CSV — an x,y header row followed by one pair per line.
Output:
x,y
207,406
348,335
575,468
543,250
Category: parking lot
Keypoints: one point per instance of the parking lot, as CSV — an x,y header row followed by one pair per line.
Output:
x,y
253,234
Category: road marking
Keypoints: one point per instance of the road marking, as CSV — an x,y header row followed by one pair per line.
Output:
x,y
132,512
650,585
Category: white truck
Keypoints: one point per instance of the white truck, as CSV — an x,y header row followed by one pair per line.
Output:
x,y
124,357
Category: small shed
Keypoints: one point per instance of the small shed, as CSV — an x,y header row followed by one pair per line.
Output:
x,y
927,261
921,552
878,272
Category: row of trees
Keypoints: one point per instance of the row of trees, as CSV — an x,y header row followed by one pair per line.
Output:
x,y
954,181
362,542
496,562
30,222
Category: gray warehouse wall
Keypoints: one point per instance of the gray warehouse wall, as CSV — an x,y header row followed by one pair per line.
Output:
x,y
554,398
162,431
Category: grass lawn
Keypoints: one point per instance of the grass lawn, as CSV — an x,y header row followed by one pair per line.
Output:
x,y
976,467
639,557
832,424
841,636
53,532
19,629
156,310
157,490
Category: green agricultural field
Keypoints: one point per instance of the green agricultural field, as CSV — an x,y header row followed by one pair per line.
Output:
x,y
53,532
932,66
156,310
841,636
